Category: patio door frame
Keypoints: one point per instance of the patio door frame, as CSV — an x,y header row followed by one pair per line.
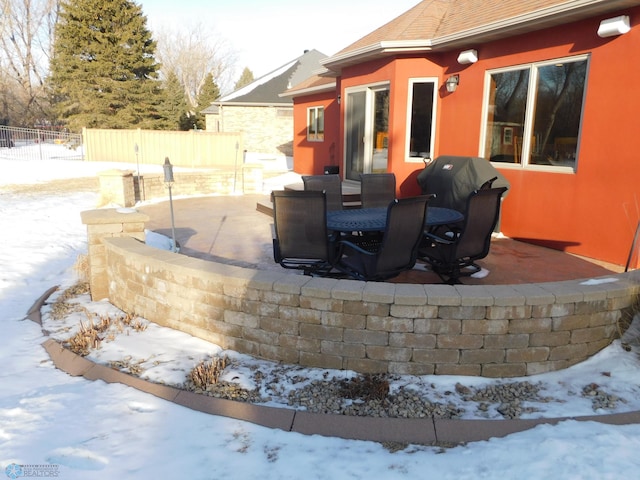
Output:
x,y
363,127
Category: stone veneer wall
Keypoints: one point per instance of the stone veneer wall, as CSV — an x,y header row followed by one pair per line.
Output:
x,y
369,327
122,187
266,128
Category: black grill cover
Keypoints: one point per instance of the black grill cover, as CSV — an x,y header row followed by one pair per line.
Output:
x,y
453,179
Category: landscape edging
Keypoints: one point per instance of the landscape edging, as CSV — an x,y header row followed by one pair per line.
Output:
x,y
429,431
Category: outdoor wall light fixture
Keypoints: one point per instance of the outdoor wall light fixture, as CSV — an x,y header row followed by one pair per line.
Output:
x,y
614,26
467,57
452,83
168,180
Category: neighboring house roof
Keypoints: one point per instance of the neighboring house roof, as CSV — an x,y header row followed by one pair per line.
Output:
x,y
314,84
440,25
266,90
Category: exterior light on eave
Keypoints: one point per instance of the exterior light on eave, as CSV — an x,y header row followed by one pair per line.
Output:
x,y
612,27
468,56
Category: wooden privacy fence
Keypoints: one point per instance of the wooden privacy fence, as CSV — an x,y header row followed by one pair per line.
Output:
x,y
191,149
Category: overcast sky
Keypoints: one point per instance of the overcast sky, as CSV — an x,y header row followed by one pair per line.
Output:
x,y
268,34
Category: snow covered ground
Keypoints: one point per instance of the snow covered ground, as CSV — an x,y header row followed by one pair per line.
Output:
x,y
53,423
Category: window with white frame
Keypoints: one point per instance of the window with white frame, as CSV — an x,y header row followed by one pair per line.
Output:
x,y
421,106
315,124
534,112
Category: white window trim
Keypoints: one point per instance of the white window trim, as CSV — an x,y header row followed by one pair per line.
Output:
x,y
526,147
315,138
369,89
407,143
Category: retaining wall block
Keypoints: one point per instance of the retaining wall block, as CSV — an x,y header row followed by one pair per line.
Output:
x,y
475,297
530,325
482,356
527,355
389,354
319,360
366,337
300,315
323,304
389,324
365,308
494,370
344,350
414,311
333,319
366,365
409,294
412,340
485,327
437,326
508,340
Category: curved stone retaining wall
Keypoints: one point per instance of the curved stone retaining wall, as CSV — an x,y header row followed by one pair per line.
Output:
x,y
492,331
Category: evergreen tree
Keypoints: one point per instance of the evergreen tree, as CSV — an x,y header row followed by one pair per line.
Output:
x,y
208,94
173,108
245,79
103,70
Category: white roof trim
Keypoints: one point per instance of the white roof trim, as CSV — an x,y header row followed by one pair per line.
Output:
x,y
255,104
388,46
306,91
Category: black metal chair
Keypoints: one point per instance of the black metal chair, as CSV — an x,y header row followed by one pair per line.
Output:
x,y
377,189
331,184
398,249
302,240
453,254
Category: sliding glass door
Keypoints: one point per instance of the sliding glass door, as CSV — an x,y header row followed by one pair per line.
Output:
x,y
367,130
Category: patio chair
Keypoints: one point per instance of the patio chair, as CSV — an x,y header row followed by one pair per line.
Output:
x,y
331,184
302,240
377,189
398,249
453,255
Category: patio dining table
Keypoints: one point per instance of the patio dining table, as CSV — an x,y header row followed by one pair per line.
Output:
x,y
375,219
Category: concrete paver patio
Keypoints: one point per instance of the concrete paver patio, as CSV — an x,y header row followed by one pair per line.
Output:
x,y
229,229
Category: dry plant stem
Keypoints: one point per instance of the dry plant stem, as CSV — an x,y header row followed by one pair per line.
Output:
x,y
207,373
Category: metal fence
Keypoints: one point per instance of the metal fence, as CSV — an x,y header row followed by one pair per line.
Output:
x,y
186,149
39,144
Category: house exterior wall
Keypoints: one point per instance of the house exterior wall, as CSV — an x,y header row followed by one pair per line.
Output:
x,y
266,129
311,156
593,211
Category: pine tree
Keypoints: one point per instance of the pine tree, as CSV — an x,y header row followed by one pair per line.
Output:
x,y
208,94
245,79
103,70
173,108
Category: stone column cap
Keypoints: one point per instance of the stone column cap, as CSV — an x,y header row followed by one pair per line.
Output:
x,y
113,215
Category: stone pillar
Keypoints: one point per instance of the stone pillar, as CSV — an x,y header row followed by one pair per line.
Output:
x,y
108,222
117,187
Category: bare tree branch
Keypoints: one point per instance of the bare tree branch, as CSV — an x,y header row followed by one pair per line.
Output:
x,y
26,32
192,53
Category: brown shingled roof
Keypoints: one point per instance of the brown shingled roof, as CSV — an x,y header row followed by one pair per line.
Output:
x,y
445,24
420,22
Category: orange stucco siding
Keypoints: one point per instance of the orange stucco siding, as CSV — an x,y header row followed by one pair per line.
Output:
x,y
593,211
310,157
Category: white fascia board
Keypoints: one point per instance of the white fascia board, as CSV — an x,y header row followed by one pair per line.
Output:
x,y
327,87
380,48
